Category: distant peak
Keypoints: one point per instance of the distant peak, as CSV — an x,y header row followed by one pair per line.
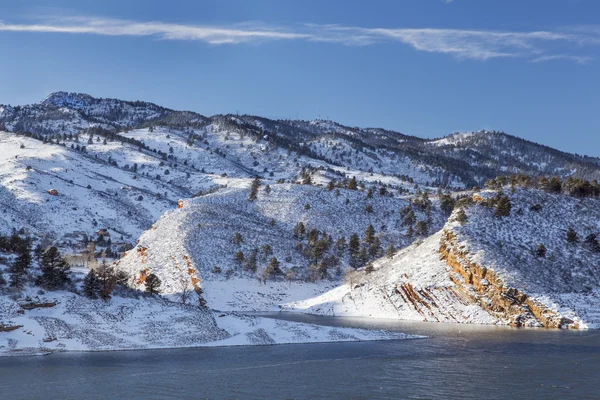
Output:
x,y
66,99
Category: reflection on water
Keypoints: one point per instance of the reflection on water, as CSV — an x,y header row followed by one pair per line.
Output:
x,y
457,361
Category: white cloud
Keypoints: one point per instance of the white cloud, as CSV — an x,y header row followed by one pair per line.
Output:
x,y
536,46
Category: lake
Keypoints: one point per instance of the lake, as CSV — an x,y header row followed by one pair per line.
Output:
x,y
457,361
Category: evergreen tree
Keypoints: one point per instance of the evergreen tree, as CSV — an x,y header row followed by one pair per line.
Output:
x,y
91,285
461,216
239,257
340,246
354,245
107,279
153,284
375,249
409,218
390,251
503,207
38,252
352,183
572,236
237,238
541,250
299,230
55,270
18,269
254,189
421,228
447,203
267,189
274,267
251,260
369,234
591,242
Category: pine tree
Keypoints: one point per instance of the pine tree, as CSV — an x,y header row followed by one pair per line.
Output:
x,y
251,260
91,285
541,250
254,189
503,207
572,236
237,238
461,216
239,257
55,270
447,203
18,270
267,189
375,249
274,267
153,284
369,234
591,242
354,245
340,246
299,230
390,251
352,183
107,279
38,252
410,218
421,228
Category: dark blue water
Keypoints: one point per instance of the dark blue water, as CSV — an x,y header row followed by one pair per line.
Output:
x,y
457,361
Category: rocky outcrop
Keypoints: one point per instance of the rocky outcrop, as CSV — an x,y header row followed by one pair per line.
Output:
x,y
9,328
492,294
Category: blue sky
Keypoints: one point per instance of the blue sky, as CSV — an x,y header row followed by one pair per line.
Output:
x,y
422,67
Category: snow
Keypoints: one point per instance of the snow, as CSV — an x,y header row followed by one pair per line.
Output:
x,y
79,324
375,295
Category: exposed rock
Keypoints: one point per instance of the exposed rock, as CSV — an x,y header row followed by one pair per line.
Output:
x,y
491,293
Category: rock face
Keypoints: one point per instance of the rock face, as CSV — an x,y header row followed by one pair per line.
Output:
x,y
493,295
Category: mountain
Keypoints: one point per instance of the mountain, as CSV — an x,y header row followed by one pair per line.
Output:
x,y
459,160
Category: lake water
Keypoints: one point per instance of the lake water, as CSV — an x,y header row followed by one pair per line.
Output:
x,y
457,361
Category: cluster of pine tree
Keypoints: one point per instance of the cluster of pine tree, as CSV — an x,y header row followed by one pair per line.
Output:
x,y
571,186
53,271
101,282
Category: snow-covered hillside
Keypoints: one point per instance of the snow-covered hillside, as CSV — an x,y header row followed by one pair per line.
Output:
x,y
63,321
529,250
487,268
202,234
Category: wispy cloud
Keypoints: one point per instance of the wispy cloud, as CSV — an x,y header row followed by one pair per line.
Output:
x,y
535,46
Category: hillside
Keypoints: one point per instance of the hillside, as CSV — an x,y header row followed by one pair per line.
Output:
x,y
457,161
488,269
202,236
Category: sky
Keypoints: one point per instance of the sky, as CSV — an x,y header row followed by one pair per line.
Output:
x,y
428,68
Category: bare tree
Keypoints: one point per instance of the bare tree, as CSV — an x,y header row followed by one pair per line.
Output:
x,y
185,288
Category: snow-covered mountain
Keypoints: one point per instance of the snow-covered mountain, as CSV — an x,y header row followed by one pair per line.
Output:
x,y
458,160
